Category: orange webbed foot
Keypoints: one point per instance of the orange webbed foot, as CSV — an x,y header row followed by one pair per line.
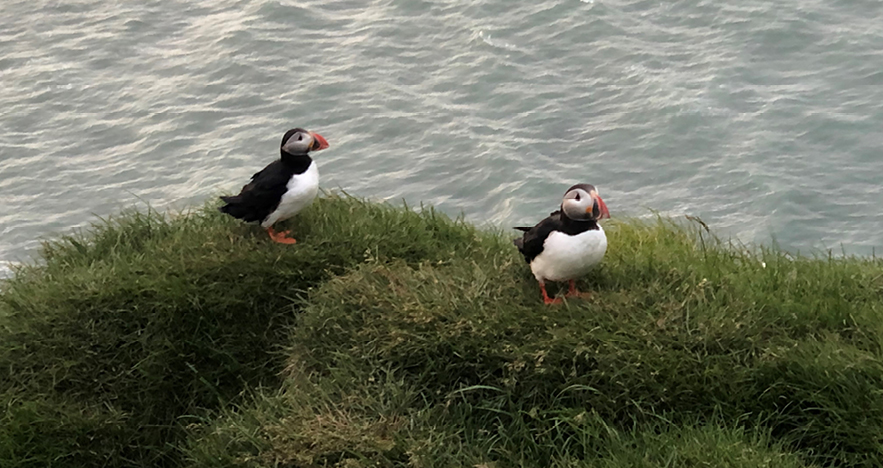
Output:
x,y
573,292
280,236
546,299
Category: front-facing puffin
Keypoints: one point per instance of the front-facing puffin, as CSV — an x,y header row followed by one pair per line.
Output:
x,y
283,188
568,243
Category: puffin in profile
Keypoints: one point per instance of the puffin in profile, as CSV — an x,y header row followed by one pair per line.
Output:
x,y
568,243
283,188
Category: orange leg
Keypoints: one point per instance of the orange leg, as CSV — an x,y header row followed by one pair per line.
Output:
x,y
280,236
571,292
546,298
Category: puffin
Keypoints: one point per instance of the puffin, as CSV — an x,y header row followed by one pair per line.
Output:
x,y
568,243
283,188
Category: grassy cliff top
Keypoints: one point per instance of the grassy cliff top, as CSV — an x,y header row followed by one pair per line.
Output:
x,y
389,337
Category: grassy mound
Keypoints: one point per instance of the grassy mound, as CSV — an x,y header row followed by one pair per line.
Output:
x,y
144,322
390,338
688,352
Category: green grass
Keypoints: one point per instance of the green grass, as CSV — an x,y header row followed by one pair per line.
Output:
x,y
388,337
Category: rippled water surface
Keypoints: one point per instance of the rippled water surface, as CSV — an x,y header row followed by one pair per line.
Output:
x,y
764,118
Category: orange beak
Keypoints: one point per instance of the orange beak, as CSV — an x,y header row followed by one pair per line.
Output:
x,y
602,207
605,213
319,140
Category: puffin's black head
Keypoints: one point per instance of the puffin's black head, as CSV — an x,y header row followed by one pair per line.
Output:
x,y
582,203
300,141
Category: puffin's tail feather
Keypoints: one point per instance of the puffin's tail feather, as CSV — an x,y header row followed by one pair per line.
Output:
x,y
520,241
231,206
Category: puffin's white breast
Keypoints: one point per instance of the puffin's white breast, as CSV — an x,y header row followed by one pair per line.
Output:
x,y
300,192
568,257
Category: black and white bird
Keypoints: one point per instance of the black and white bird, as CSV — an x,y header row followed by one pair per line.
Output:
x,y
283,188
569,243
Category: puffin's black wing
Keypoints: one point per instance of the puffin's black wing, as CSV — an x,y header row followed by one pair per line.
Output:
x,y
260,196
531,243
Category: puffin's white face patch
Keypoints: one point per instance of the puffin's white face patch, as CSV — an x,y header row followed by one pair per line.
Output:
x,y
298,143
569,257
577,204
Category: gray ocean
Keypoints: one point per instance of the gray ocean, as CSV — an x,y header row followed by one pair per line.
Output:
x,y
764,118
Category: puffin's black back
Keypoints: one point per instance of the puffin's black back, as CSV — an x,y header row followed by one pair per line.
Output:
x,y
260,196
531,243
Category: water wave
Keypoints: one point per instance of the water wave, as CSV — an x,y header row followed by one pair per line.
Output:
x,y
761,118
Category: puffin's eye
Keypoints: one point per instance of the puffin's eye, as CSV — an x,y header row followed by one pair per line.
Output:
x,y
300,137
577,197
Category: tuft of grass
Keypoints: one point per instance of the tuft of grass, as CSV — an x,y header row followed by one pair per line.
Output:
x,y
384,423
392,337
38,432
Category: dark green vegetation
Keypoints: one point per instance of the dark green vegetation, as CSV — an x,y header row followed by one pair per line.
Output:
x,y
387,337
